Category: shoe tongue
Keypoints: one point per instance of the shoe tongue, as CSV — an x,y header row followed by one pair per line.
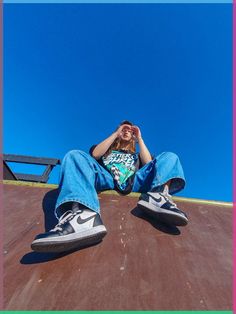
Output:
x,y
75,207
161,189
155,194
87,213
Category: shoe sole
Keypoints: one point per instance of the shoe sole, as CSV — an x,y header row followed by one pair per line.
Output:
x,y
163,215
59,245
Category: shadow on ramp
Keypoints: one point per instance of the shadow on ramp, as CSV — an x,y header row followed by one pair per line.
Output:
x,y
49,203
173,230
39,257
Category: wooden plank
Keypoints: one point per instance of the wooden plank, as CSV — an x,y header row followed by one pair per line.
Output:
x,y
140,265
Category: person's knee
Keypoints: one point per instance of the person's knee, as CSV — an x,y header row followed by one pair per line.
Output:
x,y
75,153
172,155
168,155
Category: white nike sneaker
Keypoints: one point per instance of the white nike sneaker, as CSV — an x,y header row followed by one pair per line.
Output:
x,y
160,205
74,230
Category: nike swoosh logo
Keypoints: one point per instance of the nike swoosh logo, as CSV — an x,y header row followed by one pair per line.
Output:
x,y
156,199
81,221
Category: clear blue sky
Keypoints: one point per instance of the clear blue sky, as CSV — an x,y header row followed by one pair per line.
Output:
x,y
72,72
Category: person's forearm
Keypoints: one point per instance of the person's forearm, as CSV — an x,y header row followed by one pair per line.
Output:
x,y
144,152
102,147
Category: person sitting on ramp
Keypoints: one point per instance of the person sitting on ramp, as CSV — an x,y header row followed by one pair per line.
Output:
x,y
112,164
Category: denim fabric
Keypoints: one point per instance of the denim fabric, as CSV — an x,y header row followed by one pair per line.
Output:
x,y
82,177
157,172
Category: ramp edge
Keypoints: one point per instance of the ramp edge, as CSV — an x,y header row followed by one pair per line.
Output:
x,y
112,192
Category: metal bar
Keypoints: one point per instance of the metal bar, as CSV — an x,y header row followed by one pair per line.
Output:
x,y
7,173
30,177
31,159
46,173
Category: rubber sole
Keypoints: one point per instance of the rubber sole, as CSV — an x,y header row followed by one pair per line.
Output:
x,y
166,216
66,245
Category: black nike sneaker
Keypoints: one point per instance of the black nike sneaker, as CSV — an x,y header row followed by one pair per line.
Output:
x,y
160,205
73,231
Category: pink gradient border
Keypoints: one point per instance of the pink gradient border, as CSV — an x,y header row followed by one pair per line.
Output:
x,y
1,157
234,153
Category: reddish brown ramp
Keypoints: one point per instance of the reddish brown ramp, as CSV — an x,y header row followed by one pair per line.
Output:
x,y
140,265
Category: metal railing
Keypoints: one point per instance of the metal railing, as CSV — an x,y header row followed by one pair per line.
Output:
x,y
9,174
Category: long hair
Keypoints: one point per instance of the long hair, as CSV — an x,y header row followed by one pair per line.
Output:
x,y
117,144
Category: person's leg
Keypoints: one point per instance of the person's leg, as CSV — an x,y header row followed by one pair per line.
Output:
x,y
156,180
77,205
165,169
80,178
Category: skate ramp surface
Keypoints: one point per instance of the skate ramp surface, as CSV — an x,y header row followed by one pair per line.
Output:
x,y
140,265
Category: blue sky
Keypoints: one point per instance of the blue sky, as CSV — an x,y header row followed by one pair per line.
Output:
x,y
72,72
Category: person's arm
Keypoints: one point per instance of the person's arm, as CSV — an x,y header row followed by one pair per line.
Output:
x,y
144,153
102,147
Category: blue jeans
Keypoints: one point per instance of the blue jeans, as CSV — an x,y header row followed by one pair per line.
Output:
x,y
82,177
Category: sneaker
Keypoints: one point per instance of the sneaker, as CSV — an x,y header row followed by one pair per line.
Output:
x,y
74,230
161,206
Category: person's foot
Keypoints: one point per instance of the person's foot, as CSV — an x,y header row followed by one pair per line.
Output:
x,y
74,230
160,205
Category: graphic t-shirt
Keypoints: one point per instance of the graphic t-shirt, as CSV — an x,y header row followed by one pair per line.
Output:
x,y
122,165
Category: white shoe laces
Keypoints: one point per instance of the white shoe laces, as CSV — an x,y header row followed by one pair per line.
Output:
x,y
67,216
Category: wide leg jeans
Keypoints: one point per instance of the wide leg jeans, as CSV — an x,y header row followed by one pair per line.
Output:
x,y
82,177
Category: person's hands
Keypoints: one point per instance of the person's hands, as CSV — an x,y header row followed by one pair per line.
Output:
x,y
120,129
137,132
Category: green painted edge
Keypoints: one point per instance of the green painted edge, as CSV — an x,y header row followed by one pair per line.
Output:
x,y
180,199
112,192
31,184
